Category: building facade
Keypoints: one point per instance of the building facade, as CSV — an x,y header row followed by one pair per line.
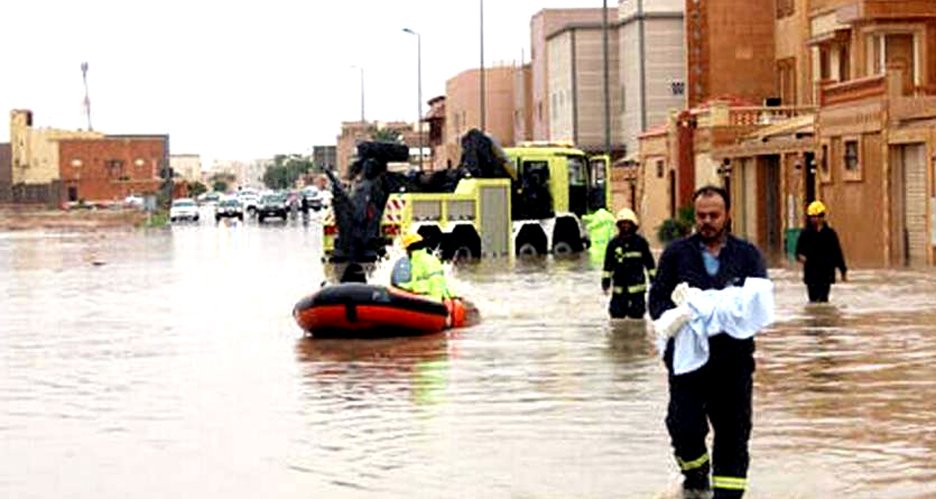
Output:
x,y
853,125
463,109
187,166
325,156
354,132
111,168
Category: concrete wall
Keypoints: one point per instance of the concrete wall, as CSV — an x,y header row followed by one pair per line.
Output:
x,y
523,103
560,54
654,200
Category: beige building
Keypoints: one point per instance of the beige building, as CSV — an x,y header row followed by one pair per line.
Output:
x,y
35,156
187,166
353,132
542,26
463,109
646,72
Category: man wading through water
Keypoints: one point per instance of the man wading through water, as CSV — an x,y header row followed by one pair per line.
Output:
x,y
719,391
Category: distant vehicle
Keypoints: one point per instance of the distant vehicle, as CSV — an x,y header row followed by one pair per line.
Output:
x,y
183,209
229,208
249,199
209,198
272,205
134,201
312,198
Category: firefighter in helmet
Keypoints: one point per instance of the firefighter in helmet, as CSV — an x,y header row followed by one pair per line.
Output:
x,y
627,264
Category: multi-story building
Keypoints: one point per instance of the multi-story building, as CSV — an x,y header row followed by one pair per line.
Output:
x,y
353,132
325,156
186,166
112,167
34,171
463,106
860,134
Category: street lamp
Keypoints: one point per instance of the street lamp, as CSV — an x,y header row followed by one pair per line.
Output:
x,y
483,111
362,90
418,92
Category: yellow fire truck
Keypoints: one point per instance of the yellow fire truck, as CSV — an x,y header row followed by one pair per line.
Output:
x,y
536,211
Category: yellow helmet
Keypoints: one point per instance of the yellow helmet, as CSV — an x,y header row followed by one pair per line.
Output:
x,y
626,215
815,209
410,239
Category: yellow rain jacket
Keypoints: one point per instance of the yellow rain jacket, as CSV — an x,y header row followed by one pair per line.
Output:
x,y
427,276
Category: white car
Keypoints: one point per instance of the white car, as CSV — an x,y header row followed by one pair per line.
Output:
x,y
183,209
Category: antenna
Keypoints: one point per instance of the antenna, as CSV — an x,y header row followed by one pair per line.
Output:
x,y
87,100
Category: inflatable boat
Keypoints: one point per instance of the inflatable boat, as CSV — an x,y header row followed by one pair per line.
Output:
x,y
359,310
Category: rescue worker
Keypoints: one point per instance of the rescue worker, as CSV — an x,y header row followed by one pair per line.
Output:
x,y
426,274
819,251
719,392
600,227
626,258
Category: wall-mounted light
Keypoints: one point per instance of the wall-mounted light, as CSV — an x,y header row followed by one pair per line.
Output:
x,y
139,162
76,162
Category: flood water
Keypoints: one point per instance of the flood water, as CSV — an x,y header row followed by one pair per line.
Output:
x,y
165,363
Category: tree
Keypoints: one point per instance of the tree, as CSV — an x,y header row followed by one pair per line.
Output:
x,y
674,228
219,186
286,169
196,189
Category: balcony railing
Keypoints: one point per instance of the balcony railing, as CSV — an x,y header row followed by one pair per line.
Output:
x,y
853,90
722,115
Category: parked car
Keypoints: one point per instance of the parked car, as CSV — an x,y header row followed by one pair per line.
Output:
x,y
229,208
183,209
209,198
272,205
311,199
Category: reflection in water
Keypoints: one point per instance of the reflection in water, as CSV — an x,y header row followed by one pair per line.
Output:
x,y
176,369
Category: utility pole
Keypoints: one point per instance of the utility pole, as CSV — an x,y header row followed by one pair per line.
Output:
x,y
419,127
483,111
87,99
607,91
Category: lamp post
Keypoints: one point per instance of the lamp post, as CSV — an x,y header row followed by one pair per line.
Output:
x,y
419,127
483,112
362,90
607,90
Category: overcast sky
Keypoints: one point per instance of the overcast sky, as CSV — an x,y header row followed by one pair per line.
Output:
x,y
244,79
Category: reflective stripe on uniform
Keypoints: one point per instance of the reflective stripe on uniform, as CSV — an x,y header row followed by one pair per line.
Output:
x,y
637,288
607,275
633,254
618,290
691,465
652,272
729,482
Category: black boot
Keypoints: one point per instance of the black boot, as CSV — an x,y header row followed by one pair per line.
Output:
x,y
696,484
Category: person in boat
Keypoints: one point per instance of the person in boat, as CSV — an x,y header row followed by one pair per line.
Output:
x,y
419,271
627,264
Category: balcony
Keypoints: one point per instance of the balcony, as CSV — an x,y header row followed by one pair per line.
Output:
x,y
831,93
722,114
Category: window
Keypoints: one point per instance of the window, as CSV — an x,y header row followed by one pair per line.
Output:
x,y
114,168
623,99
659,168
785,8
678,87
851,158
851,155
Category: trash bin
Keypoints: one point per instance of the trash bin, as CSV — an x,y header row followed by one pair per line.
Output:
x,y
790,237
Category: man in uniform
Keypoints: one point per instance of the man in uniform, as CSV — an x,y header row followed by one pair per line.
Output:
x,y
719,392
626,257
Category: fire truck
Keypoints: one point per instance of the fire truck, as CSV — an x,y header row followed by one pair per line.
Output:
x,y
536,211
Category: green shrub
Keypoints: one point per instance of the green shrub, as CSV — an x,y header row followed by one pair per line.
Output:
x,y
674,228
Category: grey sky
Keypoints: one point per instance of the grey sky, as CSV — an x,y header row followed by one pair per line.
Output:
x,y
244,79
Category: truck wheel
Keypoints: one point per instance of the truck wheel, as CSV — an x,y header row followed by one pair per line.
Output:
x,y
562,248
527,249
217,219
462,253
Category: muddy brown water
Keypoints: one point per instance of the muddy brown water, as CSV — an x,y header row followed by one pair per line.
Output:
x,y
166,363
